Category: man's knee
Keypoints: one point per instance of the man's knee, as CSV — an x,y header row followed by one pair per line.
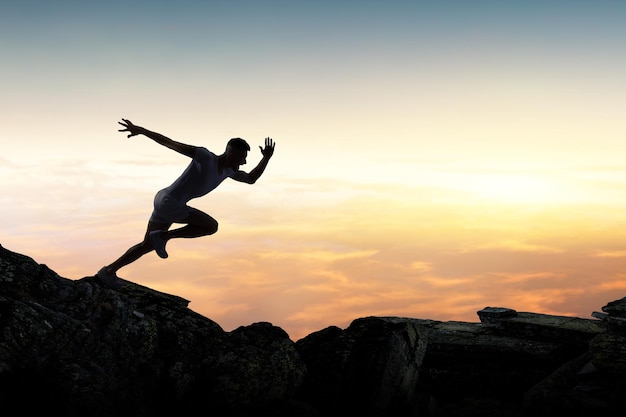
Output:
x,y
200,220
211,226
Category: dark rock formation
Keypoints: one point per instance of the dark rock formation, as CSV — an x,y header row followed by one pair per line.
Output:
x,y
388,366
77,348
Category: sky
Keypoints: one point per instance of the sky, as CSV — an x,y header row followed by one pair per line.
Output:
x,y
432,158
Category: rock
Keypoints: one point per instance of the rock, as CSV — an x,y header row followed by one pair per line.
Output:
x,y
76,348
598,315
493,315
616,308
536,326
80,349
397,366
371,368
609,352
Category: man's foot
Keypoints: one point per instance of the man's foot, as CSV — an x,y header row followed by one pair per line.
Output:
x,y
158,243
109,279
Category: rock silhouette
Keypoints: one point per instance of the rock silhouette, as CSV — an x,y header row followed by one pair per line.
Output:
x,y
77,348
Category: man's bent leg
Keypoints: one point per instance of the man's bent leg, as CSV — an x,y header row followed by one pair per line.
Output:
x,y
198,224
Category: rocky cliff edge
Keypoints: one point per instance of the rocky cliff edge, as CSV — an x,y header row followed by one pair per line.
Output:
x,y
77,348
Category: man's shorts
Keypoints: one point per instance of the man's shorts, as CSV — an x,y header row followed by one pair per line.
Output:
x,y
168,209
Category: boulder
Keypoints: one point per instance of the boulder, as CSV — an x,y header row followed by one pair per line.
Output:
x,y
391,366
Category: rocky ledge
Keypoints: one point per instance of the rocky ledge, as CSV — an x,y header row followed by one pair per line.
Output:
x,y
76,348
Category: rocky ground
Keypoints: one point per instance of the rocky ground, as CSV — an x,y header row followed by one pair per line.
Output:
x,y
80,349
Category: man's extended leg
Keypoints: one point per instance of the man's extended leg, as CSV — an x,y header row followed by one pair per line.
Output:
x,y
138,250
198,224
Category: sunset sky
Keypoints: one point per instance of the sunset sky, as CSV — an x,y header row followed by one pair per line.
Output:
x,y
432,158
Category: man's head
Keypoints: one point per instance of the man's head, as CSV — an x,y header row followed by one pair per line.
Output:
x,y
236,153
238,143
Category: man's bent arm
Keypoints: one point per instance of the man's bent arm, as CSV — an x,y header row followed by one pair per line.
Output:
x,y
256,172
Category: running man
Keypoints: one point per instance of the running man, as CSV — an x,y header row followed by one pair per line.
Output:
x,y
205,172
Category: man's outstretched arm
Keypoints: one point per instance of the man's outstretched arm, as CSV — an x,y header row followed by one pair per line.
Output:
x,y
135,130
252,176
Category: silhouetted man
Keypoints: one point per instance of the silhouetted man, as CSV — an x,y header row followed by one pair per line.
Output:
x,y
205,172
